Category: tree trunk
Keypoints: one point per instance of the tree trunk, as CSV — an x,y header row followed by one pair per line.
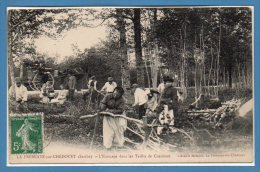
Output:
x,y
218,57
183,62
10,64
123,48
203,56
195,81
245,73
155,73
9,54
138,47
224,77
210,70
147,73
230,68
239,75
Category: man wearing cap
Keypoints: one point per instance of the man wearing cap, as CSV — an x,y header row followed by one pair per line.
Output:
x,y
91,94
141,99
18,93
113,127
169,95
109,86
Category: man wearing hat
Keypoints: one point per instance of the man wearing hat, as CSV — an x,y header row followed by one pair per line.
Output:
x,y
169,95
109,86
92,83
18,93
92,90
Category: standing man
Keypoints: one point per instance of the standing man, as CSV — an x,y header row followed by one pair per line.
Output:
x,y
92,83
72,85
92,91
169,96
109,86
113,127
140,100
18,94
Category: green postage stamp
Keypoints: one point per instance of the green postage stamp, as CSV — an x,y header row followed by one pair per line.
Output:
x,y
26,134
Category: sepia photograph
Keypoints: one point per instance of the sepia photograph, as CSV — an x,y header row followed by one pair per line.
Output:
x,y
130,85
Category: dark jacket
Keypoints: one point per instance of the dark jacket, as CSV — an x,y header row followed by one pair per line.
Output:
x,y
109,102
170,97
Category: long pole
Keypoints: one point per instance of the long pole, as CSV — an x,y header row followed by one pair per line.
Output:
x,y
94,132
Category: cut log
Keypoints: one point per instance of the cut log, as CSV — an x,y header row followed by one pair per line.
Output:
x,y
59,118
202,111
113,115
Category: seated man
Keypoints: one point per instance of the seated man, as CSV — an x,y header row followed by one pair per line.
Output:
x,y
18,94
62,96
47,92
50,90
113,128
169,106
166,118
44,94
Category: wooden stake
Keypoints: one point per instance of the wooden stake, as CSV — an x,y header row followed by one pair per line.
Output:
x,y
94,132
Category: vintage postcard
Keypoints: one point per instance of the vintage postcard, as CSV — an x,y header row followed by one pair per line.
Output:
x,y
158,85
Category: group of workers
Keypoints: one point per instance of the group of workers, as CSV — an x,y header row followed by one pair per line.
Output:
x,y
18,93
162,101
48,95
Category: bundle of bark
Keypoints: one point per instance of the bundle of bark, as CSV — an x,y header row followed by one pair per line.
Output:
x,y
216,117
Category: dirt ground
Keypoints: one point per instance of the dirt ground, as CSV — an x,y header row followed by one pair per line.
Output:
x,y
59,128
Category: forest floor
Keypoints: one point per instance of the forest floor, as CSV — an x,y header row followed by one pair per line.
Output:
x,y
58,128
